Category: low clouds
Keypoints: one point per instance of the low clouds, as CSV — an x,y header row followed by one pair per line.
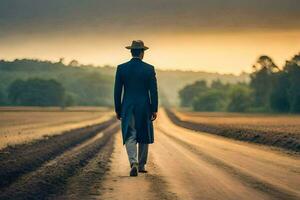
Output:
x,y
39,16
210,35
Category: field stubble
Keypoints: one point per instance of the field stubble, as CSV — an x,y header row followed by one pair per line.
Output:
x,y
24,124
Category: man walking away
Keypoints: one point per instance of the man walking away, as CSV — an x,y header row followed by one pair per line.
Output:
x,y
137,107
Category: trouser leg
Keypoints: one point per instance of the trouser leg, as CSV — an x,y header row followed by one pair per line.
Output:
x,y
130,143
131,150
143,154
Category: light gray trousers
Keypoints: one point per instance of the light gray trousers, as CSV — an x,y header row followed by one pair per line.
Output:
x,y
131,146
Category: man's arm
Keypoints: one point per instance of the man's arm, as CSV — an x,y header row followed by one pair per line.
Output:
x,y
118,93
153,94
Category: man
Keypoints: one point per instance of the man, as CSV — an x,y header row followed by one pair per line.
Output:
x,y
138,106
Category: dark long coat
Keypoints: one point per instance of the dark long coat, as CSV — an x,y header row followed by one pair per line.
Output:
x,y
137,80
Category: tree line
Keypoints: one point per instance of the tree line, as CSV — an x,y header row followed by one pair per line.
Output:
x,y
271,89
42,83
38,92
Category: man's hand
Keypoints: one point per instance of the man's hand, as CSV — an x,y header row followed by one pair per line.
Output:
x,y
153,116
118,116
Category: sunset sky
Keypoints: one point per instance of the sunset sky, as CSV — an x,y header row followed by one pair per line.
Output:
x,y
224,36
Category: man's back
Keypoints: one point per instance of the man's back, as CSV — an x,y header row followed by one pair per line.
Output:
x,y
136,77
137,81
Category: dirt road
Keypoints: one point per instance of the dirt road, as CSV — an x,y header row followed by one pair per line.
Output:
x,y
187,165
91,163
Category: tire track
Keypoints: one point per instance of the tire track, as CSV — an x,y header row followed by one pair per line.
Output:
x,y
20,159
160,188
247,179
158,184
51,177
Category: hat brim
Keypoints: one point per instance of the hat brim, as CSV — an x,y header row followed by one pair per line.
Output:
x,y
130,47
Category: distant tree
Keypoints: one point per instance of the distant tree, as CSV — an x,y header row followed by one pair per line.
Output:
x,y
239,98
261,80
15,91
68,101
36,92
74,63
217,84
61,60
93,89
279,100
292,68
2,98
212,100
266,62
296,59
188,93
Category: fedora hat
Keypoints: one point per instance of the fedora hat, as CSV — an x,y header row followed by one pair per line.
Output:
x,y
137,44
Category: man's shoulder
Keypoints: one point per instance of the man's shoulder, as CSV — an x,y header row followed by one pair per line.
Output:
x,y
123,64
147,65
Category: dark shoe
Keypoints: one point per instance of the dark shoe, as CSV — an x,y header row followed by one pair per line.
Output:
x,y
134,169
142,169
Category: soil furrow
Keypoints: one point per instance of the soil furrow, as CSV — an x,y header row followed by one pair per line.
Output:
x,y
86,184
51,177
20,159
281,139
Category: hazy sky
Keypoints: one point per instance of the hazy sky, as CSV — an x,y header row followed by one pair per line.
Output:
x,y
211,35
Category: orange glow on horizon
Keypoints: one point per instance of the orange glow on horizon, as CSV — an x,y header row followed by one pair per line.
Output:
x,y
212,52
